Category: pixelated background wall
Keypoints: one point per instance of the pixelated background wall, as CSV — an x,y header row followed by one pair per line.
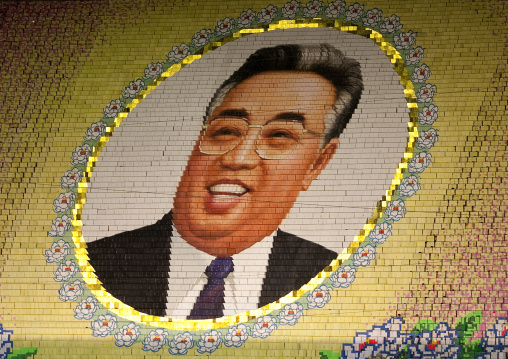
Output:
x,y
424,276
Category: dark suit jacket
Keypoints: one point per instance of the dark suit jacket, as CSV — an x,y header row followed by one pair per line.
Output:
x,y
134,266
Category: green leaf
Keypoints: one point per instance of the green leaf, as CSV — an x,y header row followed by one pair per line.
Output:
x,y
329,354
22,353
423,324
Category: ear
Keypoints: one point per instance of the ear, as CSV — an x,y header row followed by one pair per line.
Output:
x,y
322,159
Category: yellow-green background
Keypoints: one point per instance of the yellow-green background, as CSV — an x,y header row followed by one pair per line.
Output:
x,y
62,62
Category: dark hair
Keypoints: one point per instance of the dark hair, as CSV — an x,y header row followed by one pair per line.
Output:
x,y
325,60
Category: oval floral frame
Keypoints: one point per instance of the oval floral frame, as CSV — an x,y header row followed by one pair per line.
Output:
x,y
128,326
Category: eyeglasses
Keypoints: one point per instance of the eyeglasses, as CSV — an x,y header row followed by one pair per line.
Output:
x,y
276,139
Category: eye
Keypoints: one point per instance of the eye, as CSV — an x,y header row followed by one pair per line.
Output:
x,y
281,134
223,132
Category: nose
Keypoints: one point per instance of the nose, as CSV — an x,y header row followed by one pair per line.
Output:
x,y
244,155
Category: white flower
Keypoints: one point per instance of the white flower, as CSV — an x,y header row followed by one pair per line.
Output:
x,y
420,162
59,226
405,40
319,297
414,57
497,337
290,9
409,186
155,340
364,255
65,271
427,139
103,326
266,15
496,354
264,326
372,17
113,109
5,342
201,38
246,18
390,25
426,93
81,154
395,210
57,252
335,8
209,342
71,291
64,202
133,89
224,27
154,70
354,12
343,277
428,115
86,308
380,233
95,131
127,335
438,343
290,314
70,178
420,74
236,336
312,9
178,53
181,343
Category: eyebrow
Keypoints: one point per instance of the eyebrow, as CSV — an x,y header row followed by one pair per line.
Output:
x,y
291,116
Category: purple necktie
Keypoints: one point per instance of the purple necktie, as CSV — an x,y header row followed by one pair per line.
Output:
x,y
210,303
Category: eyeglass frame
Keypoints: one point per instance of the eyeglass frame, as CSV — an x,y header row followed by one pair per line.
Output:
x,y
304,131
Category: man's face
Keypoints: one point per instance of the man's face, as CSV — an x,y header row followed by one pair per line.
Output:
x,y
227,202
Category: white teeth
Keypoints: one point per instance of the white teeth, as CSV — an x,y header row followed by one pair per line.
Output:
x,y
234,189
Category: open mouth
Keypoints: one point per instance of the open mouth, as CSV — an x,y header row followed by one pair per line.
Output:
x,y
227,190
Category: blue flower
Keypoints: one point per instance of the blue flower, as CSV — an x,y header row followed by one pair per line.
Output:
x,y
390,25
264,326
201,38
380,233
312,9
133,89
319,297
178,53
153,70
372,18
81,154
290,9
209,342
427,139
438,343
155,340
127,335
364,256
414,57
65,271
69,292
395,210
95,131
409,186
236,336
86,308
103,326
64,202
335,8
266,15
224,27
420,162
113,109
428,115
343,277
181,343
5,342
290,314
59,250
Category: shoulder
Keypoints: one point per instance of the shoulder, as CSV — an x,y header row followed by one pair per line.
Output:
x,y
293,244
